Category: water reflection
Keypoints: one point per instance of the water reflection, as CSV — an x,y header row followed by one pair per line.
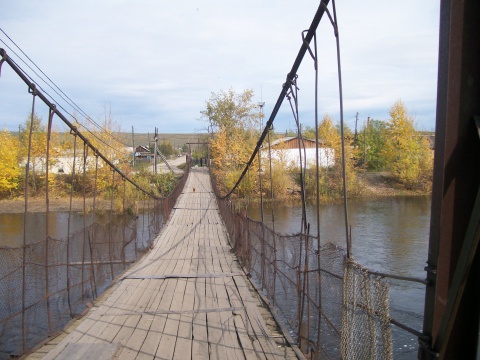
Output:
x,y
389,235
59,224
79,258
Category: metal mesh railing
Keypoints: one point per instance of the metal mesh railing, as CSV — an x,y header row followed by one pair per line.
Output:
x,y
335,310
50,280
54,264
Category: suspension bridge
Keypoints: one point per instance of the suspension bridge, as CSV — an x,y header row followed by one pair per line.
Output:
x,y
188,298
205,280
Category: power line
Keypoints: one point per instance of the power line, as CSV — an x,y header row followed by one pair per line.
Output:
x,y
60,106
62,95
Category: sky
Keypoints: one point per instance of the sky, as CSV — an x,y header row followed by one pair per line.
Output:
x,y
151,63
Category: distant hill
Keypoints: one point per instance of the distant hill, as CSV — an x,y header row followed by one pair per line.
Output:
x,y
177,140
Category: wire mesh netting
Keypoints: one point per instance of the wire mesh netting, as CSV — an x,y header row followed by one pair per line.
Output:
x,y
52,279
54,264
334,308
366,320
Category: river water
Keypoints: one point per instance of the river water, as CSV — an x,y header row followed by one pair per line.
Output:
x,y
112,242
389,235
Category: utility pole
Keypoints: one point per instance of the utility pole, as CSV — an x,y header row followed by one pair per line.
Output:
x,y
262,265
155,152
133,146
365,142
355,137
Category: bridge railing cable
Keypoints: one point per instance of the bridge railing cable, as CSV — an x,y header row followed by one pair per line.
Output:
x,y
84,218
285,88
74,130
335,307
57,90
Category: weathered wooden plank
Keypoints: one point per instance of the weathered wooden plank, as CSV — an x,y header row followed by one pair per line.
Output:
x,y
199,325
184,276
113,318
183,345
228,324
186,299
88,351
252,318
159,336
216,343
166,347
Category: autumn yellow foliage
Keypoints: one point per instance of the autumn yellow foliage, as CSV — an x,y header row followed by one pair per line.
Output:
x,y
234,122
407,154
9,169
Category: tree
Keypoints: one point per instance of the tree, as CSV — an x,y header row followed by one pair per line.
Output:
x,y
37,144
406,153
166,148
330,136
372,141
330,180
234,122
9,169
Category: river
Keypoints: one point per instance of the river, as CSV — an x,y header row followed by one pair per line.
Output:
x,y
112,242
389,235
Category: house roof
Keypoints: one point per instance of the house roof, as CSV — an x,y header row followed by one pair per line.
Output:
x,y
288,138
143,147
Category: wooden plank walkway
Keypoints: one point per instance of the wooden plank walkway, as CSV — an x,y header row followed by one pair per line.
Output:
x,y
186,299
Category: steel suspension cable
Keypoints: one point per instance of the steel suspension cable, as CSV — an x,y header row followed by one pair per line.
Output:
x,y
62,95
71,115
334,23
74,129
290,76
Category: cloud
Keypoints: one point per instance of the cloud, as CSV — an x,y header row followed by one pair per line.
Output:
x,y
155,64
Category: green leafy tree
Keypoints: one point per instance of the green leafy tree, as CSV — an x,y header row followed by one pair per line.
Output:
x,y
166,148
372,142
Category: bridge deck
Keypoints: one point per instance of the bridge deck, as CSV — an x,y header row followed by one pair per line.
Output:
x,y
187,299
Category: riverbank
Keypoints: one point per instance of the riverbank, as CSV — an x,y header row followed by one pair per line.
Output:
x,y
373,184
37,204
384,184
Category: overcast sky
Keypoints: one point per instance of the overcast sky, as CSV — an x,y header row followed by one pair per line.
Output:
x,y
155,63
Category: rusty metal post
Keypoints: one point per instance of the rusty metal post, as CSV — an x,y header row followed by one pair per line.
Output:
x,y
136,229
92,237
69,224
32,90
124,223
112,273
456,181
305,290
307,274
84,232
93,284
272,198
299,284
260,176
47,203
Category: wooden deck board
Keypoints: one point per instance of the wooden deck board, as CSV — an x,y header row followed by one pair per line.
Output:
x,y
186,299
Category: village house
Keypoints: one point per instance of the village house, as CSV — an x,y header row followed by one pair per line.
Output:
x,y
142,153
286,149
